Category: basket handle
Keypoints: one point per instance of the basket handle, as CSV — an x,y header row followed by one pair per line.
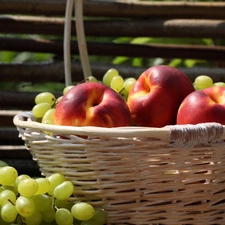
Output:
x,y
189,135
80,38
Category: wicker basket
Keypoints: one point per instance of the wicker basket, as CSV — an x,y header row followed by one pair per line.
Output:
x,y
172,176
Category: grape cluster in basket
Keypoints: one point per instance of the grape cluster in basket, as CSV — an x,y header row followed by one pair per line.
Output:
x,y
46,102
42,201
160,96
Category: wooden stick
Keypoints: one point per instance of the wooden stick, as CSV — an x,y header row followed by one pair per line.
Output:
x,y
33,72
120,8
188,28
170,51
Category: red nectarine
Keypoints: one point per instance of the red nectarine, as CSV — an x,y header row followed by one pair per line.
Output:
x,y
92,104
207,105
156,96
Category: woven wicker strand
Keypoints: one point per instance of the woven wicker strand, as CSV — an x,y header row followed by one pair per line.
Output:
x,y
190,135
149,176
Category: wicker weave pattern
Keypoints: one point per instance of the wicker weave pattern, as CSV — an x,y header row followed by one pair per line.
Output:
x,y
176,177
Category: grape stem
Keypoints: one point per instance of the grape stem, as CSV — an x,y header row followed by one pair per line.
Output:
x,y
9,200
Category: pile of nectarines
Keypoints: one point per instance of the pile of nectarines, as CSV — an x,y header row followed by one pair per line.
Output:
x,y
162,95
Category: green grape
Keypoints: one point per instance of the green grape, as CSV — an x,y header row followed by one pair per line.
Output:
x,y
63,217
28,187
58,99
8,175
19,179
99,218
45,97
9,212
117,83
25,206
48,223
108,76
128,84
19,220
6,196
219,84
3,163
34,219
1,189
48,215
64,190
48,122
202,82
55,179
124,94
11,188
67,88
40,109
69,205
43,185
49,115
60,203
82,211
2,222
92,79
42,202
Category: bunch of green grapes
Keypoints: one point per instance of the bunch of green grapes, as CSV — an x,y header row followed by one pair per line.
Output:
x,y
204,81
45,103
44,107
114,80
40,201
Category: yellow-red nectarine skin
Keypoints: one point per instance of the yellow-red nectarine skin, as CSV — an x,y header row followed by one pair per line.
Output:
x,y
156,96
92,104
203,106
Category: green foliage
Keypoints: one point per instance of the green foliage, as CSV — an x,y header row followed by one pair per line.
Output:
x,y
141,62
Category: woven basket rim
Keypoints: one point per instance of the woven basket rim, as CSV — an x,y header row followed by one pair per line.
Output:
x,y
128,131
163,133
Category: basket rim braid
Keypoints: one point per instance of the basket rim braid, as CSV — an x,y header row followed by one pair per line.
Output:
x,y
164,133
138,175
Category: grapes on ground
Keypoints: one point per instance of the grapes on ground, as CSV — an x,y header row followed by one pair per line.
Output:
x,y
42,201
28,187
55,180
63,217
6,196
43,185
8,175
64,190
25,206
9,212
82,211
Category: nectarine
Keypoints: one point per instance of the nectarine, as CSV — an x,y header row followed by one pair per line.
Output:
x,y
207,105
92,104
156,96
